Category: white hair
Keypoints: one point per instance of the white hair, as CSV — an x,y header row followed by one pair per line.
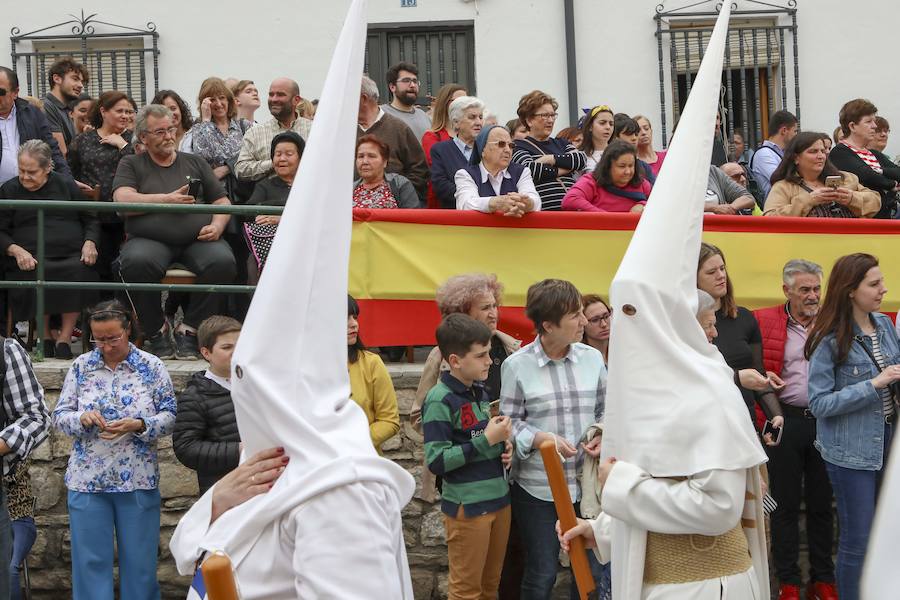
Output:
x,y
797,266
151,110
39,151
458,108
705,302
369,88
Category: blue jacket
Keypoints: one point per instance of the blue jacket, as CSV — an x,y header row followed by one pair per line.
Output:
x,y
446,160
850,425
32,125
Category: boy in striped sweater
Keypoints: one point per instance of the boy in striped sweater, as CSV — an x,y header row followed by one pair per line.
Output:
x,y
468,448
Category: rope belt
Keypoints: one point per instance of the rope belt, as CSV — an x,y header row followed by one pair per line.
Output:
x,y
689,558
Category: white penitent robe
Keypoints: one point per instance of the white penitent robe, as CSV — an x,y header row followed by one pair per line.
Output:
x,y
298,555
708,503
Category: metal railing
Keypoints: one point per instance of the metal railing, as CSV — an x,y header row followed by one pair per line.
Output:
x,y
39,284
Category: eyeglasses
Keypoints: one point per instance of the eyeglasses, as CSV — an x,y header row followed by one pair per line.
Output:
x,y
107,341
503,144
162,132
547,116
600,319
408,80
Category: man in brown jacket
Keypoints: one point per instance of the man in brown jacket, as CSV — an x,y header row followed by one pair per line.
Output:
x,y
407,156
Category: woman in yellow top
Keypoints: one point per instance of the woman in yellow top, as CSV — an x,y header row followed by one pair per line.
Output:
x,y
799,186
370,383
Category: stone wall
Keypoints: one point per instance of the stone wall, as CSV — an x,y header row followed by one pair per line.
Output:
x,y
49,563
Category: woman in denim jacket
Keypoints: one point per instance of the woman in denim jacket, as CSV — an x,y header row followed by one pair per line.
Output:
x,y
852,399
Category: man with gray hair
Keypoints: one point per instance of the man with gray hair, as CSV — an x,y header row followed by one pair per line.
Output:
x,y
162,175
406,155
466,115
795,466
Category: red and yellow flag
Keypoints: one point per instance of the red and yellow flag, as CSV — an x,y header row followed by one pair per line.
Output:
x,y
400,257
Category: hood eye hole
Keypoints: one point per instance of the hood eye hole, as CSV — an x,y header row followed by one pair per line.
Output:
x,y
239,371
629,309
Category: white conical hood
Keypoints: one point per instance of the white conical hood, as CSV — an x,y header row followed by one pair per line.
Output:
x,y
290,384
672,406
881,578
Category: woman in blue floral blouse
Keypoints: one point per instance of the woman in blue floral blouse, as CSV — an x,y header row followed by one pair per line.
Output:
x,y
116,402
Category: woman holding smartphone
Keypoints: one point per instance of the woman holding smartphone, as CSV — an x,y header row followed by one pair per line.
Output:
x,y
806,184
854,370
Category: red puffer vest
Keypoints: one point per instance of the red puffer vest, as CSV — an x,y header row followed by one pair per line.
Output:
x,y
773,327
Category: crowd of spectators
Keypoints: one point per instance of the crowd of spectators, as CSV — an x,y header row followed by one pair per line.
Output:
x,y
449,154
498,511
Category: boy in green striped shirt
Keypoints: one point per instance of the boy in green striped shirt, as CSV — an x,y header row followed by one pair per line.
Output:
x,y
466,447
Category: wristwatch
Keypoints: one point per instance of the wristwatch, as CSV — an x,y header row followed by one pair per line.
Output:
x,y
143,426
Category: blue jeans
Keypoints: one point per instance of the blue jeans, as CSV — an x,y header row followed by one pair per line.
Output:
x,y
133,517
536,520
5,545
856,492
24,533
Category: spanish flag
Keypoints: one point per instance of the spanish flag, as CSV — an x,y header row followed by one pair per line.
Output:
x,y
400,257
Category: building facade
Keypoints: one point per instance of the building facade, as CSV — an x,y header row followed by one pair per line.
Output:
x,y
808,56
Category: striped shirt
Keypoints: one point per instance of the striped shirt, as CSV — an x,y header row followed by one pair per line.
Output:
x,y
563,397
887,396
551,186
28,421
453,421
866,156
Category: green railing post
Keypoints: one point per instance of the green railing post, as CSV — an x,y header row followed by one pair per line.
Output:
x,y
40,284
39,290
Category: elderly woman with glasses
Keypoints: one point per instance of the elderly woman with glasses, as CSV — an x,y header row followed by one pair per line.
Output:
x,y
554,163
490,183
70,249
116,403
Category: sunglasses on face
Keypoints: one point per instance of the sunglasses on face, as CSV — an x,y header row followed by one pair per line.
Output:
x,y
3,92
503,144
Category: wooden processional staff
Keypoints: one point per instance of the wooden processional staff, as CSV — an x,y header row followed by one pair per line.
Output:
x,y
581,569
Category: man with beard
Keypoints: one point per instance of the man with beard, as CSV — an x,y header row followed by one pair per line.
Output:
x,y
67,79
254,162
162,175
796,465
403,83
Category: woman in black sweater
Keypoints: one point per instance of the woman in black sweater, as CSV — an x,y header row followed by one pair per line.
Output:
x,y
554,163
739,339
70,245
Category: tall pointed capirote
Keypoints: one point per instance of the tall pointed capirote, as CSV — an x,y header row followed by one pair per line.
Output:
x,y
290,383
672,406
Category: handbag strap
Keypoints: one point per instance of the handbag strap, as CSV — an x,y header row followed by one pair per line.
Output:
x,y
859,340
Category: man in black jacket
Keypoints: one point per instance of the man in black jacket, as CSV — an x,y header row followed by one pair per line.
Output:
x,y
206,437
20,122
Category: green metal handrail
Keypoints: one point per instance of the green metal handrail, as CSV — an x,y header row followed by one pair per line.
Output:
x,y
40,284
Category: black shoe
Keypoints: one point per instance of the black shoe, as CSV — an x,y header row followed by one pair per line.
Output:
x,y
160,345
49,348
63,351
186,346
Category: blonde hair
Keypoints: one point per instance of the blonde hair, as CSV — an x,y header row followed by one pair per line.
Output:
x,y
458,293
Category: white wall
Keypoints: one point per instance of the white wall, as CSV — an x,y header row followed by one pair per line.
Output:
x,y
520,46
